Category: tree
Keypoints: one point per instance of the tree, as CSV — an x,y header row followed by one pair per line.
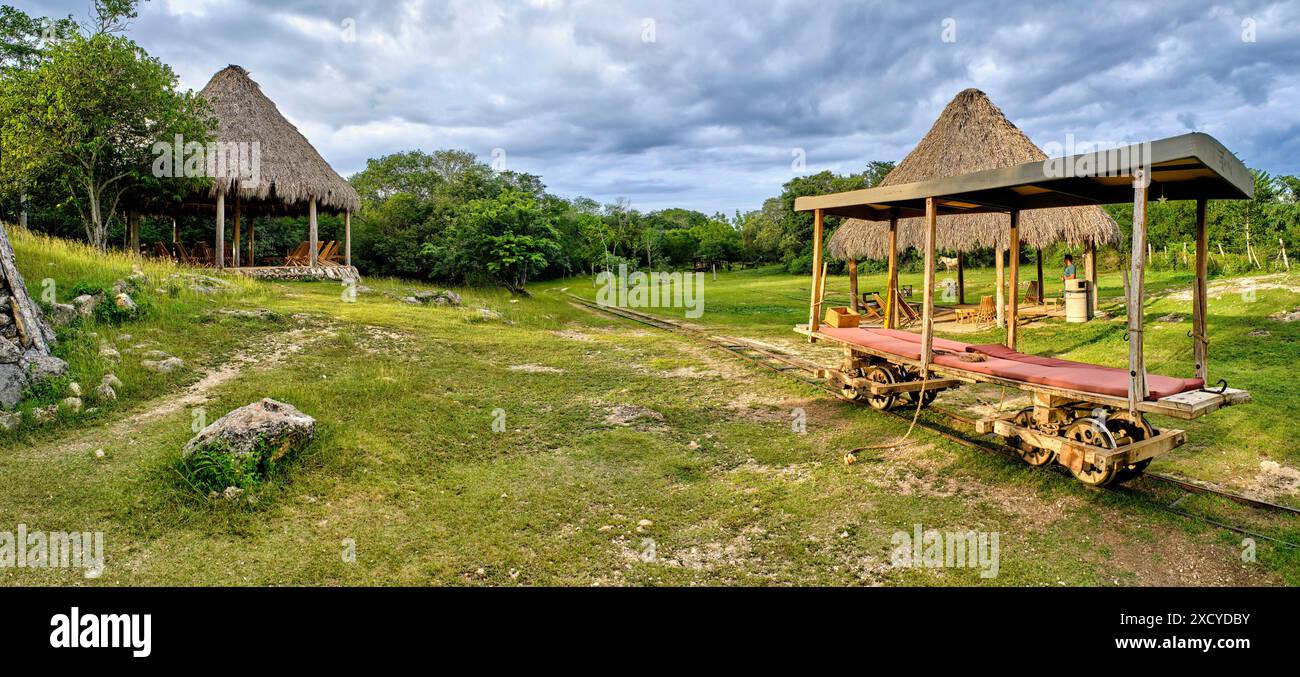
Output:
x,y
504,239
89,115
23,37
876,172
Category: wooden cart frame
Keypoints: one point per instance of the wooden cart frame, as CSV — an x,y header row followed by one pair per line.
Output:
x,y
1100,438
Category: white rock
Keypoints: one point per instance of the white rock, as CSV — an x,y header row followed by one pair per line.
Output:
x,y
166,366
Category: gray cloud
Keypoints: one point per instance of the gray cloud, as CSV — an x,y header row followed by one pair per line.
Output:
x,y
708,114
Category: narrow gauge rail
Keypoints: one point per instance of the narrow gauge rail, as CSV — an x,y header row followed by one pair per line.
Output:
x,y
806,372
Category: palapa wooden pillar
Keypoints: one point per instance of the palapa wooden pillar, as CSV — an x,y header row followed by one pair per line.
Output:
x,y
219,250
1042,293
891,295
347,239
252,241
927,307
814,305
961,279
853,284
1090,274
133,225
1013,313
1200,309
1000,294
1137,389
234,246
312,238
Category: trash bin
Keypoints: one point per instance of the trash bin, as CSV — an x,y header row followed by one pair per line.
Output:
x,y
1078,302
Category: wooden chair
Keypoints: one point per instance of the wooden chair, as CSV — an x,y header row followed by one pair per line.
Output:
x,y
906,313
184,255
988,310
298,255
161,251
203,255
1034,295
329,254
871,310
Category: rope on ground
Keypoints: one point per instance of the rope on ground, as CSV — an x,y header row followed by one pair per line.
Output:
x,y
852,457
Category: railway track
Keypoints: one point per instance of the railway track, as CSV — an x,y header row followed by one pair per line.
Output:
x,y
802,370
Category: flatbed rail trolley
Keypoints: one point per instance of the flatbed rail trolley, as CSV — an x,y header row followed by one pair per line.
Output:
x,y
1089,418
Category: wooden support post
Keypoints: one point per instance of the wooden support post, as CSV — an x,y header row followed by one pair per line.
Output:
x,y
252,242
347,239
1200,307
1137,387
1013,314
234,245
1042,293
1000,293
1090,274
312,238
961,279
891,296
853,284
814,306
133,224
219,251
927,312
175,232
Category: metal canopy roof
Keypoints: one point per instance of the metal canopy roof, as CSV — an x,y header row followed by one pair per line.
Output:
x,y
1187,167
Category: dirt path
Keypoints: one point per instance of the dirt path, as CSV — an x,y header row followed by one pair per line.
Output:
x,y
269,353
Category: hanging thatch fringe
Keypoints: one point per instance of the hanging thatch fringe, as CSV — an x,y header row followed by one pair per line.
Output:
x,y
291,169
972,135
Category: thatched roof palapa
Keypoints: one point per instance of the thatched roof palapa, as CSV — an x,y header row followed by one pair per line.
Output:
x,y
972,135
291,170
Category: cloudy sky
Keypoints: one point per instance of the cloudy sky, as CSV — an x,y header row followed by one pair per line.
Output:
x,y
708,105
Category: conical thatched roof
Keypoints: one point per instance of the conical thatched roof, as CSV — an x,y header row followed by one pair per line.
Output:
x,y
291,170
972,135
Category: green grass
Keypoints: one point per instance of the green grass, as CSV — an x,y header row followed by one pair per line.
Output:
x,y
408,467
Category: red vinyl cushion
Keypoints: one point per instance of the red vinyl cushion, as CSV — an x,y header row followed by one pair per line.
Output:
x,y
1090,378
1005,363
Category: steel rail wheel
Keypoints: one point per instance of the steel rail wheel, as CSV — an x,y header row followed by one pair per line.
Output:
x,y
881,374
1035,456
1090,431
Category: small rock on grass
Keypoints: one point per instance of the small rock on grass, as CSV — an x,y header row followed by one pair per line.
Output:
x,y
267,429
111,380
105,393
166,366
626,414
10,420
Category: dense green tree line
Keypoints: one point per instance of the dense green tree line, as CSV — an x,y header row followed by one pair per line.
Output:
x,y
82,104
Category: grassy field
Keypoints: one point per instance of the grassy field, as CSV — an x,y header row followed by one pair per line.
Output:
x,y
621,456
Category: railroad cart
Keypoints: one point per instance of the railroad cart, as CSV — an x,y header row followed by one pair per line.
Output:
x,y
1089,418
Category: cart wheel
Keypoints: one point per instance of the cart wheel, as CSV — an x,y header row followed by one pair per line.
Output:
x,y
1092,432
1123,424
930,396
881,375
1035,456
